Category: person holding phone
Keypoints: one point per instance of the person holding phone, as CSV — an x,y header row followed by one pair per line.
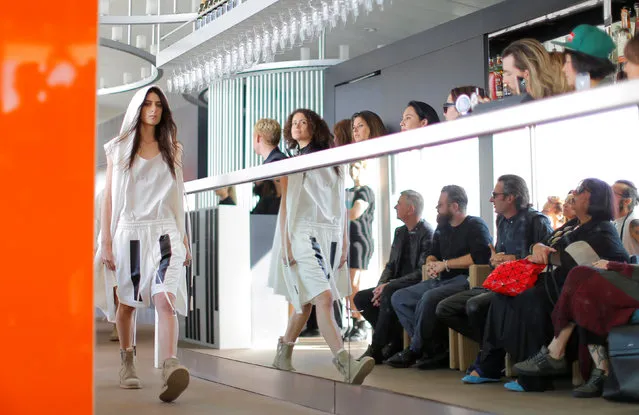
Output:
x,y
530,73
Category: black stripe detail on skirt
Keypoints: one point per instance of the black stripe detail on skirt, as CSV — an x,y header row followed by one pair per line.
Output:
x,y
333,253
134,247
165,252
320,259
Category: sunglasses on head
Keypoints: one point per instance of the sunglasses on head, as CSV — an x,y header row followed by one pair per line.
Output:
x,y
580,189
448,105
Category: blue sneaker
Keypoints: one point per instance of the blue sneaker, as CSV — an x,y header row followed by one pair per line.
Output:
x,y
478,380
514,386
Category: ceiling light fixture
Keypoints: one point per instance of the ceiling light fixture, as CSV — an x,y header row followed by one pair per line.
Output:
x,y
370,29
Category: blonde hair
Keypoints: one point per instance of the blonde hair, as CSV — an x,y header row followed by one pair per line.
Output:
x,y
529,54
270,129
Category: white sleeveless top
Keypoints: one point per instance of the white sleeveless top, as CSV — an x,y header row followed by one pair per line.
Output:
x,y
151,192
318,202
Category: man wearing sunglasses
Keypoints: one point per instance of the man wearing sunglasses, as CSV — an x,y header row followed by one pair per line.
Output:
x,y
518,228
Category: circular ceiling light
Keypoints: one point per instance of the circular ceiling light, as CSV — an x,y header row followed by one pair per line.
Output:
x,y
136,60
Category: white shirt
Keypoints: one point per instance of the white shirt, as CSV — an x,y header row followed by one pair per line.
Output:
x,y
623,227
151,192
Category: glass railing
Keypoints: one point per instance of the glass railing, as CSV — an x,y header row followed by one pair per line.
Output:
x,y
552,144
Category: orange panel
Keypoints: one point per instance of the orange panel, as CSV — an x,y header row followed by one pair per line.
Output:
x,y
47,106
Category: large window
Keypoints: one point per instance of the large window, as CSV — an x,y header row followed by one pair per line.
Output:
x,y
602,145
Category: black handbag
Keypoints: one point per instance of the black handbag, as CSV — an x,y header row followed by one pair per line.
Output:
x,y
622,383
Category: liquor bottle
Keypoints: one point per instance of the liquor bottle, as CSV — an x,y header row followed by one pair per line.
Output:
x,y
499,78
636,19
492,91
624,34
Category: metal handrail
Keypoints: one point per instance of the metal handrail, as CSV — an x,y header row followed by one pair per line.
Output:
x,y
537,112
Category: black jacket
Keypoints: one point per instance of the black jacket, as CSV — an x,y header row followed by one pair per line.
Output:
x,y
419,251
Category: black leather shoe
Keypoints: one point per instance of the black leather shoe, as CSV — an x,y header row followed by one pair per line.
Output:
x,y
403,359
373,352
437,361
358,332
593,388
390,350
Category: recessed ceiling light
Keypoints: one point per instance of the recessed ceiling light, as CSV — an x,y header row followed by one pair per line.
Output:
x,y
370,29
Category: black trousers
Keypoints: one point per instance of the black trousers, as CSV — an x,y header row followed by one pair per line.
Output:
x,y
466,312
386,327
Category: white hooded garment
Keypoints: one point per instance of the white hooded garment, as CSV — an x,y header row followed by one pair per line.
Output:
x,y
119,151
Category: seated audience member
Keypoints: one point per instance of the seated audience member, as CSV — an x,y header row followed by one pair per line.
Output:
x,y
616,296
588,51
631,67
226,195
634,230
266,140
625,194
529,72
365,125
460,241
417,115
568,209
361,213
554,209
269,198
411,246
342,133
519,226
521,325
450,112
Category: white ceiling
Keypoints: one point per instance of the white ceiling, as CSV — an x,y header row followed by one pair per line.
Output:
x,y
399,20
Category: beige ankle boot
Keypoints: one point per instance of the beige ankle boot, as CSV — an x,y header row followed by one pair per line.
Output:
x,y
128,377
114,334
176,379
283,355
354,371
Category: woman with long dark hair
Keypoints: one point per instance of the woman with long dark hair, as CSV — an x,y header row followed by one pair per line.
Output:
x,y
143,243
310,247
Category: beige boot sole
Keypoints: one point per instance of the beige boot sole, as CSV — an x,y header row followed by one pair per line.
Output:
x,y
176,383
367,366
133,385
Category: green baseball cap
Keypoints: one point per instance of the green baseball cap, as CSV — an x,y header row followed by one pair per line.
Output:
x,y
589,40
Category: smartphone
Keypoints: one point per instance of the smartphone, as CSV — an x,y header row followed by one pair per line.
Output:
x,y
521,84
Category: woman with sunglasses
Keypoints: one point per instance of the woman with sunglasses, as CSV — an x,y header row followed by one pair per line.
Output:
x,y
450,112
521,325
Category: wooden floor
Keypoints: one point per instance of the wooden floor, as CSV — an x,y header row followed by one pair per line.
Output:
x,y
313,357
201,398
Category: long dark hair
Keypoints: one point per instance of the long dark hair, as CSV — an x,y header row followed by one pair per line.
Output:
x,y
165,133
321,137
374,122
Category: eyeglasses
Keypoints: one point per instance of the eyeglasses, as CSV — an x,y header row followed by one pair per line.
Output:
x,y
579,190
495,194
448,105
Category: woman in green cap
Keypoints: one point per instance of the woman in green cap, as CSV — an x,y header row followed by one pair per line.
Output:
x,y
587,52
